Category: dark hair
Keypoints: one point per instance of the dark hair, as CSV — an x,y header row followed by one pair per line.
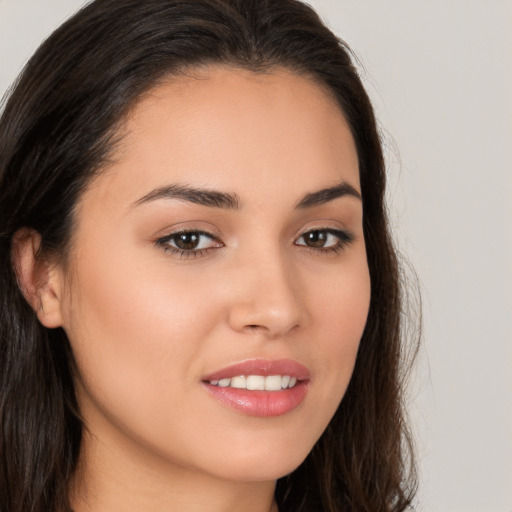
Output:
x,y
56,131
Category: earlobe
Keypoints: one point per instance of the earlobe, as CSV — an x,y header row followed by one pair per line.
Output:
x,y
39,280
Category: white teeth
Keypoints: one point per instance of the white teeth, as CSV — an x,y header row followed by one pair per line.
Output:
x,y
239,382
257,382
273,383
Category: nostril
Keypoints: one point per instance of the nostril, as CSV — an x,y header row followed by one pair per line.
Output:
x,y
253,327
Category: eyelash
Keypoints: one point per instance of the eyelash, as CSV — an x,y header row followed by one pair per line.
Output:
x,y
165,241
344,239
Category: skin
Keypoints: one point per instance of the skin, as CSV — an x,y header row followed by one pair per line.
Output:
x,y
146,324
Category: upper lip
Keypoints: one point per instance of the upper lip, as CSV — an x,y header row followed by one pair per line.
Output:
x,y
263,367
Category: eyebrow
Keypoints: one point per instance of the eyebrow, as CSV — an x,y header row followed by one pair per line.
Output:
x,y
327,194
231,201
205,197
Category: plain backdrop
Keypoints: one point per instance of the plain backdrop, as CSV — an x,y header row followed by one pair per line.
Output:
x,y
440,75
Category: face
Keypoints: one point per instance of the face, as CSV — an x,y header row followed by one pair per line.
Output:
x,y
217,284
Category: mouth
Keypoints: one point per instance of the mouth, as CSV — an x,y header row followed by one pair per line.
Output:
x,y
257,382
260,387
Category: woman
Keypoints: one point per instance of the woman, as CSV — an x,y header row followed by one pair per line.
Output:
x,y
200,298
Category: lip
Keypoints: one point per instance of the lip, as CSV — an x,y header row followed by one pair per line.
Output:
x,y
261,367
261,403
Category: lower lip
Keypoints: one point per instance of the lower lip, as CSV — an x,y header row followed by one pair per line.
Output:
x,y
261,403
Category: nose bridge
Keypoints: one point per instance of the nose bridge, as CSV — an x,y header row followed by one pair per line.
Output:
x,y
268,298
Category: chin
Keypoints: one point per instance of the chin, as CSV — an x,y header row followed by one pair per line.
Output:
x,y
266,473
253,465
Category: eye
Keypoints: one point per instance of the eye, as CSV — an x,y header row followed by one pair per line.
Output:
x,y
325,239
189,243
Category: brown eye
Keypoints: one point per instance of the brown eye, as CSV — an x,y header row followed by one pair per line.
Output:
x,y
325,239
191,242
316,239
187,241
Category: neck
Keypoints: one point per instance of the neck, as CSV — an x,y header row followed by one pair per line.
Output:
x,y
114,478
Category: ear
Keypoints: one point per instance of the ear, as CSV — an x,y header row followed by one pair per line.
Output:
x,y
39,280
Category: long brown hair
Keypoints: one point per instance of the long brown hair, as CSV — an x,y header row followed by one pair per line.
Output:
x,y
57,129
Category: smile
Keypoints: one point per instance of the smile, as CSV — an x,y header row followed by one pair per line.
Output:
x,y
260,387
257,382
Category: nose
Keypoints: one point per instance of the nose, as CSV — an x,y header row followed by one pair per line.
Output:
x,y
268,299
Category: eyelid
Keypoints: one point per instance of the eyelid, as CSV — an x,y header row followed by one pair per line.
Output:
x,y
344,237
164,242
199,232
193,225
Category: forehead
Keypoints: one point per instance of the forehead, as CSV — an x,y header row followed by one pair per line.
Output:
x,y
236,130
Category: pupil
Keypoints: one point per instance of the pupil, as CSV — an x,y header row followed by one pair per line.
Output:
x,y
187,241
316,238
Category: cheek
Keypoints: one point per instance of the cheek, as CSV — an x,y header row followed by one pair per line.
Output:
x,y
135,332
131,303
342,304
342,312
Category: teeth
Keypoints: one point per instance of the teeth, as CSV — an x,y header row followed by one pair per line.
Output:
x,y
273,383
239,382
257,382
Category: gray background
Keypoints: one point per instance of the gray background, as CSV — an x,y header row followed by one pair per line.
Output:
x,y
440,75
